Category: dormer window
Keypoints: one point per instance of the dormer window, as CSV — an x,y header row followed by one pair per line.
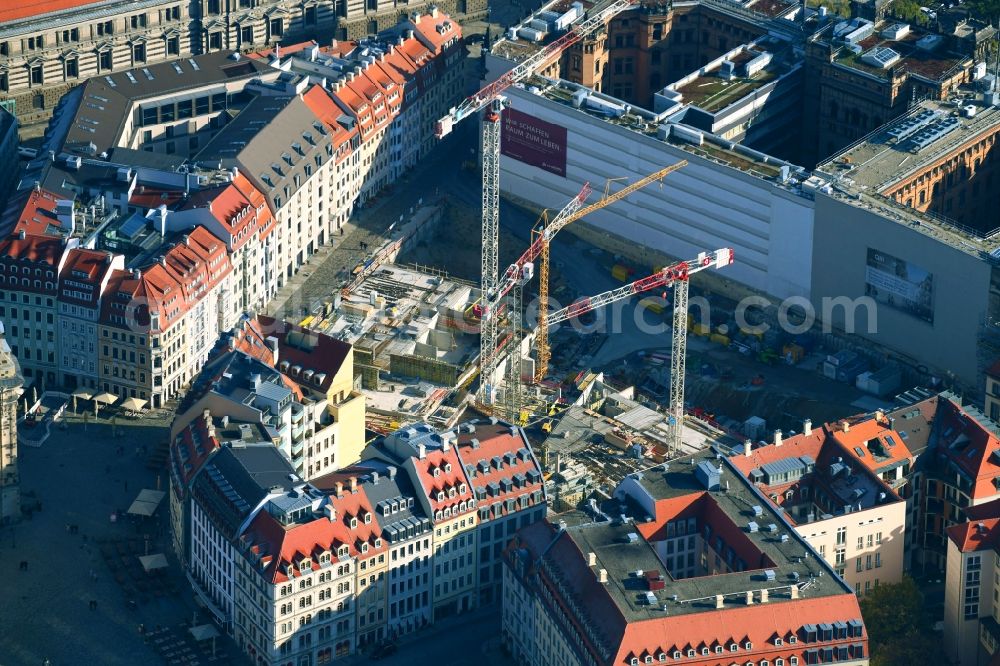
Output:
x,y
748,645
733,647
342,551
447,467
368,518
364,547
451,492
354,522
436,472
378,542
778,641
462,488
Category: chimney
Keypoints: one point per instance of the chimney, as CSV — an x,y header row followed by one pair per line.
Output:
x,y
591,559
330,512
339,488
845,426
20,234
763,596
880,417
434,11
421,451
353,484
206,414
374,478
602,576
747,448
720,601
225,421
807,427
777,438
392,472
749,597
794,589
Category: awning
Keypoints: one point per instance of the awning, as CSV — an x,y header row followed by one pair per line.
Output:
x,y
83,394
153,562
106,398
147,502
203,632
134,404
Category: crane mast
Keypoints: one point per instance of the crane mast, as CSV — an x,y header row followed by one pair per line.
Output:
x,y
676,275
491,98
542,348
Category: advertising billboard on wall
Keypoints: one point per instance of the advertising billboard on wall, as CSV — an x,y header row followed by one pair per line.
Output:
x,y
899,284
535,142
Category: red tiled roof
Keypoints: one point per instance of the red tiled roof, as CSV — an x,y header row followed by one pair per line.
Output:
x,y
83,267
437,30
308,350
976,535
289,545
791,447
970,445
151,197
235,205
27,8
35,248
757,624
872,432
446,480
38,214
190,449
497,441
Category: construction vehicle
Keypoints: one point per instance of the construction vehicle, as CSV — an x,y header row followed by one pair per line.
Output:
x,y
676,276
491,99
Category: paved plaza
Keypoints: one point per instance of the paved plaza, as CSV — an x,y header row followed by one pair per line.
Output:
x,y
68,553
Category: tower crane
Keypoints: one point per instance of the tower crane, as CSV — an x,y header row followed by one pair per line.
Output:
x,y
548,233
676,275
491,98
521,271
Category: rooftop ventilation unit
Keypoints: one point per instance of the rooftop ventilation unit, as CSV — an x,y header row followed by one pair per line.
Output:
x,y
632,537
758,510
769,574
752,527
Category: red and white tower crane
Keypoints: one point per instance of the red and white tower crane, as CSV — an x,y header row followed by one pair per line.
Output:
x,y
676,275
491,98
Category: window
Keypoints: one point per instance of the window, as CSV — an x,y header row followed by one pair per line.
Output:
x,y
310,15
215,41
72,68
841,536
104,61
246,34
37,76
139,52
173,46
277,28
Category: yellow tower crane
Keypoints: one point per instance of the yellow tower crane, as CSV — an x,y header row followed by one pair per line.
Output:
x,y
548,231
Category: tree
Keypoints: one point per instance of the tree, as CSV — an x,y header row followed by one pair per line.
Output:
x,y
909,10
988,10
899,633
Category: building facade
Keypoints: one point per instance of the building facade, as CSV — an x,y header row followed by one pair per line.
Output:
x,y
971,610
599,590
44,52
847,513
11,384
